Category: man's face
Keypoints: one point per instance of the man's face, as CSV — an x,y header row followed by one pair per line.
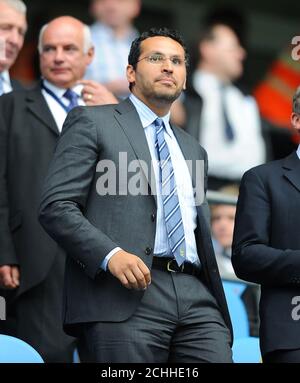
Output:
x,y
158,81
63,61
12,31
115,13
225,54
222,224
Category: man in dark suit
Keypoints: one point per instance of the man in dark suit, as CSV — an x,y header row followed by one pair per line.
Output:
x,y
141,283
13,26
266,248
31,264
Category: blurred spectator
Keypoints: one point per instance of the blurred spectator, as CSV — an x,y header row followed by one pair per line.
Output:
x,y
224,120
31,263
112,34
13,26
222,226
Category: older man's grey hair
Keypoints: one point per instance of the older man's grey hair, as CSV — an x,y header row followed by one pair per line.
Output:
x,y
296,101
17,5
87,38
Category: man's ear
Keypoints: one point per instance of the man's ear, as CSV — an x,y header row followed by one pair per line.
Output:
x,y
90,55
130,73
295,120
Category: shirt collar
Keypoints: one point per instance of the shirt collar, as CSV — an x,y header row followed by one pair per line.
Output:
x,y
60,91
298,151
203,80
5,77
147,116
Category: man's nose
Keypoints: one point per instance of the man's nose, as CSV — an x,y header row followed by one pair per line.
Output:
x,y
59,55
167,65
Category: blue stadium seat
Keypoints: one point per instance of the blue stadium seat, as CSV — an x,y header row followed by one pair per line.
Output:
x,y
14,350
237,310
246,350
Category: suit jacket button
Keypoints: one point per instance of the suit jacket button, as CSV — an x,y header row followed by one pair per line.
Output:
x,y
153,217
148,250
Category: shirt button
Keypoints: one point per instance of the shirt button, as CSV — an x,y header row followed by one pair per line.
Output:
x,y
148,250
153,217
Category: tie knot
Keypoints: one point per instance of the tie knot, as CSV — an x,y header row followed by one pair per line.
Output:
x,y
158,123
70,95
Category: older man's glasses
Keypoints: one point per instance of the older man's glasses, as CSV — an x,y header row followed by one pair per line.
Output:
x,y
158,58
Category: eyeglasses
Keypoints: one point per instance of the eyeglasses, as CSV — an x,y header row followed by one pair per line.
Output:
x,y
158,58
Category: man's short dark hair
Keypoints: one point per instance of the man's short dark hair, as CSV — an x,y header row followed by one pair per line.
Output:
x,y
296,101
135,50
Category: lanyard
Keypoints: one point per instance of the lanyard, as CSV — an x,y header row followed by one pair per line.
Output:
x,y
57,99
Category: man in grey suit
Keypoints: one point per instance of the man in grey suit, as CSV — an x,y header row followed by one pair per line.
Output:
x,y
141,282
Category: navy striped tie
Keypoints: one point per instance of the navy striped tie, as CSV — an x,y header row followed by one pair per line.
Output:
x,y
72,97
171,205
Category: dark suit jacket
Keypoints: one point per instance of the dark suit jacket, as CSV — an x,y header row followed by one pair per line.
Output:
x,y
28,135
89,226
266,246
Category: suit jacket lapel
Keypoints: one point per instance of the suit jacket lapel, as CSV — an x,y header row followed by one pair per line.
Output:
x,y
130,122
39,108
291,169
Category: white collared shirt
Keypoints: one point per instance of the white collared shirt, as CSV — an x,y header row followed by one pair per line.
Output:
x,y
6,82
229,159
183,183
58,112
298,152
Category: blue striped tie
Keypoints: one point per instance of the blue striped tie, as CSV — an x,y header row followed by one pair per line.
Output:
x,y
171,205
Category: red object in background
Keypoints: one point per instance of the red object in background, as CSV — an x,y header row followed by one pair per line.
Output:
x,y
275,93
23,69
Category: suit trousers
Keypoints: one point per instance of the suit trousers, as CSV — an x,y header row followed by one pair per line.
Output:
x,y
282,356
36,317
177,320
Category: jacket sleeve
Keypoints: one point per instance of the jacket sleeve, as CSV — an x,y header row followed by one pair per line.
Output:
x,y
7,250
253,258
66,190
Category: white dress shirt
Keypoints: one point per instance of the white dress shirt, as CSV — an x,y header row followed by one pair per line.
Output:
x,y
58,112
298,151
183,183
229,159
6,82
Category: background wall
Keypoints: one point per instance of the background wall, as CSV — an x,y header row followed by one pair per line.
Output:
x,y
270,26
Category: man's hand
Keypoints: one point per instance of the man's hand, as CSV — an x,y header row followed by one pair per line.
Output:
x,y
94,93
9,277
130,270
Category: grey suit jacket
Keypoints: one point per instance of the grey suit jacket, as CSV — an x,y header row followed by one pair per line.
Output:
x,y
88,226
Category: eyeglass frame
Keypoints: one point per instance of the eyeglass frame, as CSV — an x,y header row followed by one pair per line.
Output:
x,y
184,61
